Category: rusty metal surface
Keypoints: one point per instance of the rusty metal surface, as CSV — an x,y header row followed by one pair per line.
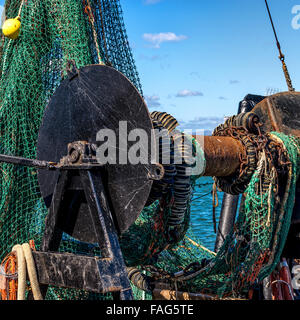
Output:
x,y
280,112
167,294
222,155
161,295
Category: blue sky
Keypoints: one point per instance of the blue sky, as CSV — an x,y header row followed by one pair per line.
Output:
x,y
198,58
224,50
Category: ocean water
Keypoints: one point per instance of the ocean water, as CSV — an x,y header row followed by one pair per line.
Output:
x,y
202,212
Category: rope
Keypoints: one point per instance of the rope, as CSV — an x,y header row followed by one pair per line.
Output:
x,y
26,263
8,277
5,57
20,9
281,55
89,12
21,271
215,203
32,272
198,245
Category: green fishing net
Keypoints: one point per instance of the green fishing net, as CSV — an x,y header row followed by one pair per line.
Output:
x,y
31,69
254,246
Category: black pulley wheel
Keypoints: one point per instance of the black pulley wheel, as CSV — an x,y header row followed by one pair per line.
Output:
x,y
93,98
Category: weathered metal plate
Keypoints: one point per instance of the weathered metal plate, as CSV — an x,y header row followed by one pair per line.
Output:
x,y
98,97
74,271
280,112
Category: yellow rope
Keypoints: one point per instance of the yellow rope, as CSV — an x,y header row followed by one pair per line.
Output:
x,y
95,36
20,9
199,246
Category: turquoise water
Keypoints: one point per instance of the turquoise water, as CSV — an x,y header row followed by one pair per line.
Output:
x,y
202,212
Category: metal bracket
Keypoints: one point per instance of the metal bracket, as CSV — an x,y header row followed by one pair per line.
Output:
x,y
109,273
77,174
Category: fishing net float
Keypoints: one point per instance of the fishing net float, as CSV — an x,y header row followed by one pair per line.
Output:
x,y
123,229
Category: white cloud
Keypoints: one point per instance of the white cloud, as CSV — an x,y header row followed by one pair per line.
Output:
x,y
153,101
188,93
158,38
208,124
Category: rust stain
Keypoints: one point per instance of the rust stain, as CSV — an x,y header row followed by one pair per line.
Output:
x,y
222,155
272,116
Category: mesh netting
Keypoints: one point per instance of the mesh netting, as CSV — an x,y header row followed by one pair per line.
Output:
x,y
254,246
32,67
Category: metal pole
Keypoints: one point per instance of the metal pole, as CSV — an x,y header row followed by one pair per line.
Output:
x,y
227,218
230,202
27,162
